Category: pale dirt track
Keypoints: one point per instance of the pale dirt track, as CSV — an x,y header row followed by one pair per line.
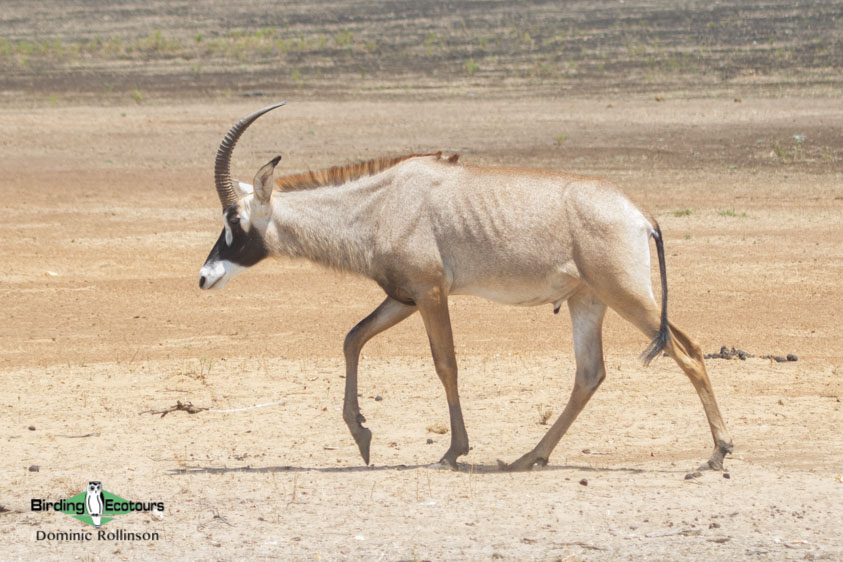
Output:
x,y
109,212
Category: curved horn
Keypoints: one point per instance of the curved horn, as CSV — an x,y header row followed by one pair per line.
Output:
x,y
222,165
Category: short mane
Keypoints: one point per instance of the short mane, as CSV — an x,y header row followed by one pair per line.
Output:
x,y
338,175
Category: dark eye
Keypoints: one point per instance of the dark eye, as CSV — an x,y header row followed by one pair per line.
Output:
x,y
234,220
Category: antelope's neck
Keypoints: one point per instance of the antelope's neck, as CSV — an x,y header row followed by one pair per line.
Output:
x,y
333,226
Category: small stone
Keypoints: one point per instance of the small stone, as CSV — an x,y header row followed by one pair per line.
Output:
x,y
378,398
430,441
525,540
726,475
714,526
792,357
583,482
34,468
31,428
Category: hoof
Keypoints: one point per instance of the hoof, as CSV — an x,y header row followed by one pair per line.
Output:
x,y
447,464
712,464
363,438
452,454
716,460
523,464
708,466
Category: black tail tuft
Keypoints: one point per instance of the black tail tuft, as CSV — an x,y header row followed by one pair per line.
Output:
x,y
656,346
660,341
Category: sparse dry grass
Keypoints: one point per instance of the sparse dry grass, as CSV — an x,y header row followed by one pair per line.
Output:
x,y
576,47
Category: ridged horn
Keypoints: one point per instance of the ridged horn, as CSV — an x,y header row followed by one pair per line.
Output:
x,y
222,165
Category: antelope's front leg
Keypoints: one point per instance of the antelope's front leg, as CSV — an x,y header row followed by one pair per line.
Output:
x,y
434,310
388,314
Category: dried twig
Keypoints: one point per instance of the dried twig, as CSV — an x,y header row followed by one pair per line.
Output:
x,y
95,434
671,532
578,543
186,407
191,409
216,519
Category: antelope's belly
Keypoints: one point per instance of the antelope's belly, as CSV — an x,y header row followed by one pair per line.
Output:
x,y
521,291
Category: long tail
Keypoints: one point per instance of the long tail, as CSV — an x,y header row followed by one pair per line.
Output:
x,y
660,341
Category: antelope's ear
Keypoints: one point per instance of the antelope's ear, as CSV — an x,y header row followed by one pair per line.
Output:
x,y
263,180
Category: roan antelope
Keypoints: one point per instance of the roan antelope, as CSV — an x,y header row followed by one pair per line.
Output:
x,y
425,227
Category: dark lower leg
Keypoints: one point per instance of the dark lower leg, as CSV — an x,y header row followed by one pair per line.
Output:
x,y
459,435
433,307
388,314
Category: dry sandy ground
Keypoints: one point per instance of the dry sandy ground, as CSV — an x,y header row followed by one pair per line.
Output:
x,y
111,211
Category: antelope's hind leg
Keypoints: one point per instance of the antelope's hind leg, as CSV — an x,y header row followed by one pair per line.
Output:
x,y
587,313
388,314
644,313
689,357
